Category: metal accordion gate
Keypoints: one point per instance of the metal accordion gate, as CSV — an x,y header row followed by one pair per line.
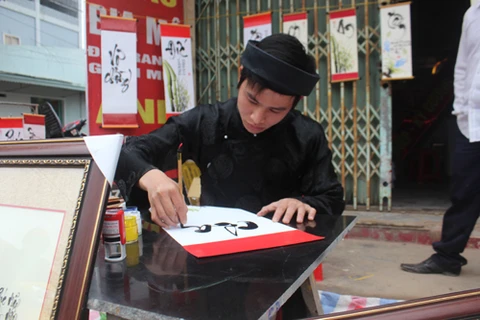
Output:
x,y
356,115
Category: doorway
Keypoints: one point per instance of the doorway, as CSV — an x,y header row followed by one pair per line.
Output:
x,y
422,124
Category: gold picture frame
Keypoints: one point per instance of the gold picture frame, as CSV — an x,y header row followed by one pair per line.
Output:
x,y
52,199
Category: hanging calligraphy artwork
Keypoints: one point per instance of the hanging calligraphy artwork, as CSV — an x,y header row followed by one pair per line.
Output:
x,y
177,68
343,45
213,231
295,24
256,27
119,72
396,42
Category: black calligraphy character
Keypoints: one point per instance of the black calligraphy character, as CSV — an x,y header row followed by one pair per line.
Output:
x,y
9,134
232,227
255,35
395,22
170,49
3,296
116,75
12,303
32,134
181,49
294,30
205,228
346,29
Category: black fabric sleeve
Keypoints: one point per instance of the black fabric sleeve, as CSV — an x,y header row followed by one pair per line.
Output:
x,y
320,186
158,149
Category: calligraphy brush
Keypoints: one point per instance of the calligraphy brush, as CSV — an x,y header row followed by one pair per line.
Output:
x,y
180,173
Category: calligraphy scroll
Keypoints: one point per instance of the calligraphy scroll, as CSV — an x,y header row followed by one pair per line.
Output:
x,y
33,127
295,24
396,41
256,27
119,72
343,45
177,68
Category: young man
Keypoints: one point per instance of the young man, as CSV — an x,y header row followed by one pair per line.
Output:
x,y
459,220
255,152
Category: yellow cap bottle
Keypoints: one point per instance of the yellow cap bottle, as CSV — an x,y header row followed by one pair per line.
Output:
x,y
131,229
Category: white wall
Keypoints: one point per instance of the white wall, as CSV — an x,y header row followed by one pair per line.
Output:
x,y
74,106
10,110
75,109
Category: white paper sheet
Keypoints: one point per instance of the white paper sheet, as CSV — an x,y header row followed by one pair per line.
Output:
x,y
200,216
105,150
27,249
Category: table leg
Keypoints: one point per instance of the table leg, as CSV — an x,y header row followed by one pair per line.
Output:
x,y
311,297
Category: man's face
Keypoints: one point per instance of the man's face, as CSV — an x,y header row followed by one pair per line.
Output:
x,y
261,110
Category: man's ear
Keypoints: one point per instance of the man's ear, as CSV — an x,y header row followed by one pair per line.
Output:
x,y
241,68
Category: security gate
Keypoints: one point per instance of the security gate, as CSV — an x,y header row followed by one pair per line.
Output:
x,y
356,115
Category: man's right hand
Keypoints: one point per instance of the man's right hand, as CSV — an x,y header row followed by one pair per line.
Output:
x,y
167,206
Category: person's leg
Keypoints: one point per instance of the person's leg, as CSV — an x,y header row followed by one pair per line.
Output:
x,y
459,220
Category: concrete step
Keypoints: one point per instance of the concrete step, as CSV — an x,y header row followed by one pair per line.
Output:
x,y
406,226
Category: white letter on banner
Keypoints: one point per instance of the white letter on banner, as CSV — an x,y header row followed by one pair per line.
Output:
x,y
95,12
153,30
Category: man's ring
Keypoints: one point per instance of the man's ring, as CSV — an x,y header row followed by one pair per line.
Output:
x,y
161,220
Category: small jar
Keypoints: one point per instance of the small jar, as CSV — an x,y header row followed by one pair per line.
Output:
x,y
131,230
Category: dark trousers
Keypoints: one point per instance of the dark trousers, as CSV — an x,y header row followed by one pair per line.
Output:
x,y
459,220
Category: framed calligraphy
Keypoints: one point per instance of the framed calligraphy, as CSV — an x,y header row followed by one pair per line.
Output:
x,y
52,198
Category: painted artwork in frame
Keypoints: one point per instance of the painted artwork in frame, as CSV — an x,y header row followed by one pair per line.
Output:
x,y
52,198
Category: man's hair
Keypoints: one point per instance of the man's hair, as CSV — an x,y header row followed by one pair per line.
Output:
x,y
286,48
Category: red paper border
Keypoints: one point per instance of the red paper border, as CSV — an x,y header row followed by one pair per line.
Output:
x,y
34,119
11,123
345,76
257,19
118,24
294,16
342,13
251,243
175,30
114,119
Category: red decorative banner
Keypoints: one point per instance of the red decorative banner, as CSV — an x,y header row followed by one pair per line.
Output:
x,y
150,93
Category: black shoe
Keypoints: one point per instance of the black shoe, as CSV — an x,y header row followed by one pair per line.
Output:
x,y
429,266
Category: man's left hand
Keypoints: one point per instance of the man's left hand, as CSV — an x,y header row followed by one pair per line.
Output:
x,y
286,208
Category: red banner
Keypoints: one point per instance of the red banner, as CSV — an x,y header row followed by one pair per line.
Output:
x,y
151,98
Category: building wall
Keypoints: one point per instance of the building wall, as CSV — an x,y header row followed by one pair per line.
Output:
x,y
11,110
50,50
72,114
56,36
17,24
74,107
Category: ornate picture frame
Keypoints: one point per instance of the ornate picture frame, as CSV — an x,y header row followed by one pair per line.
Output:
x,y
52,199
458,305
